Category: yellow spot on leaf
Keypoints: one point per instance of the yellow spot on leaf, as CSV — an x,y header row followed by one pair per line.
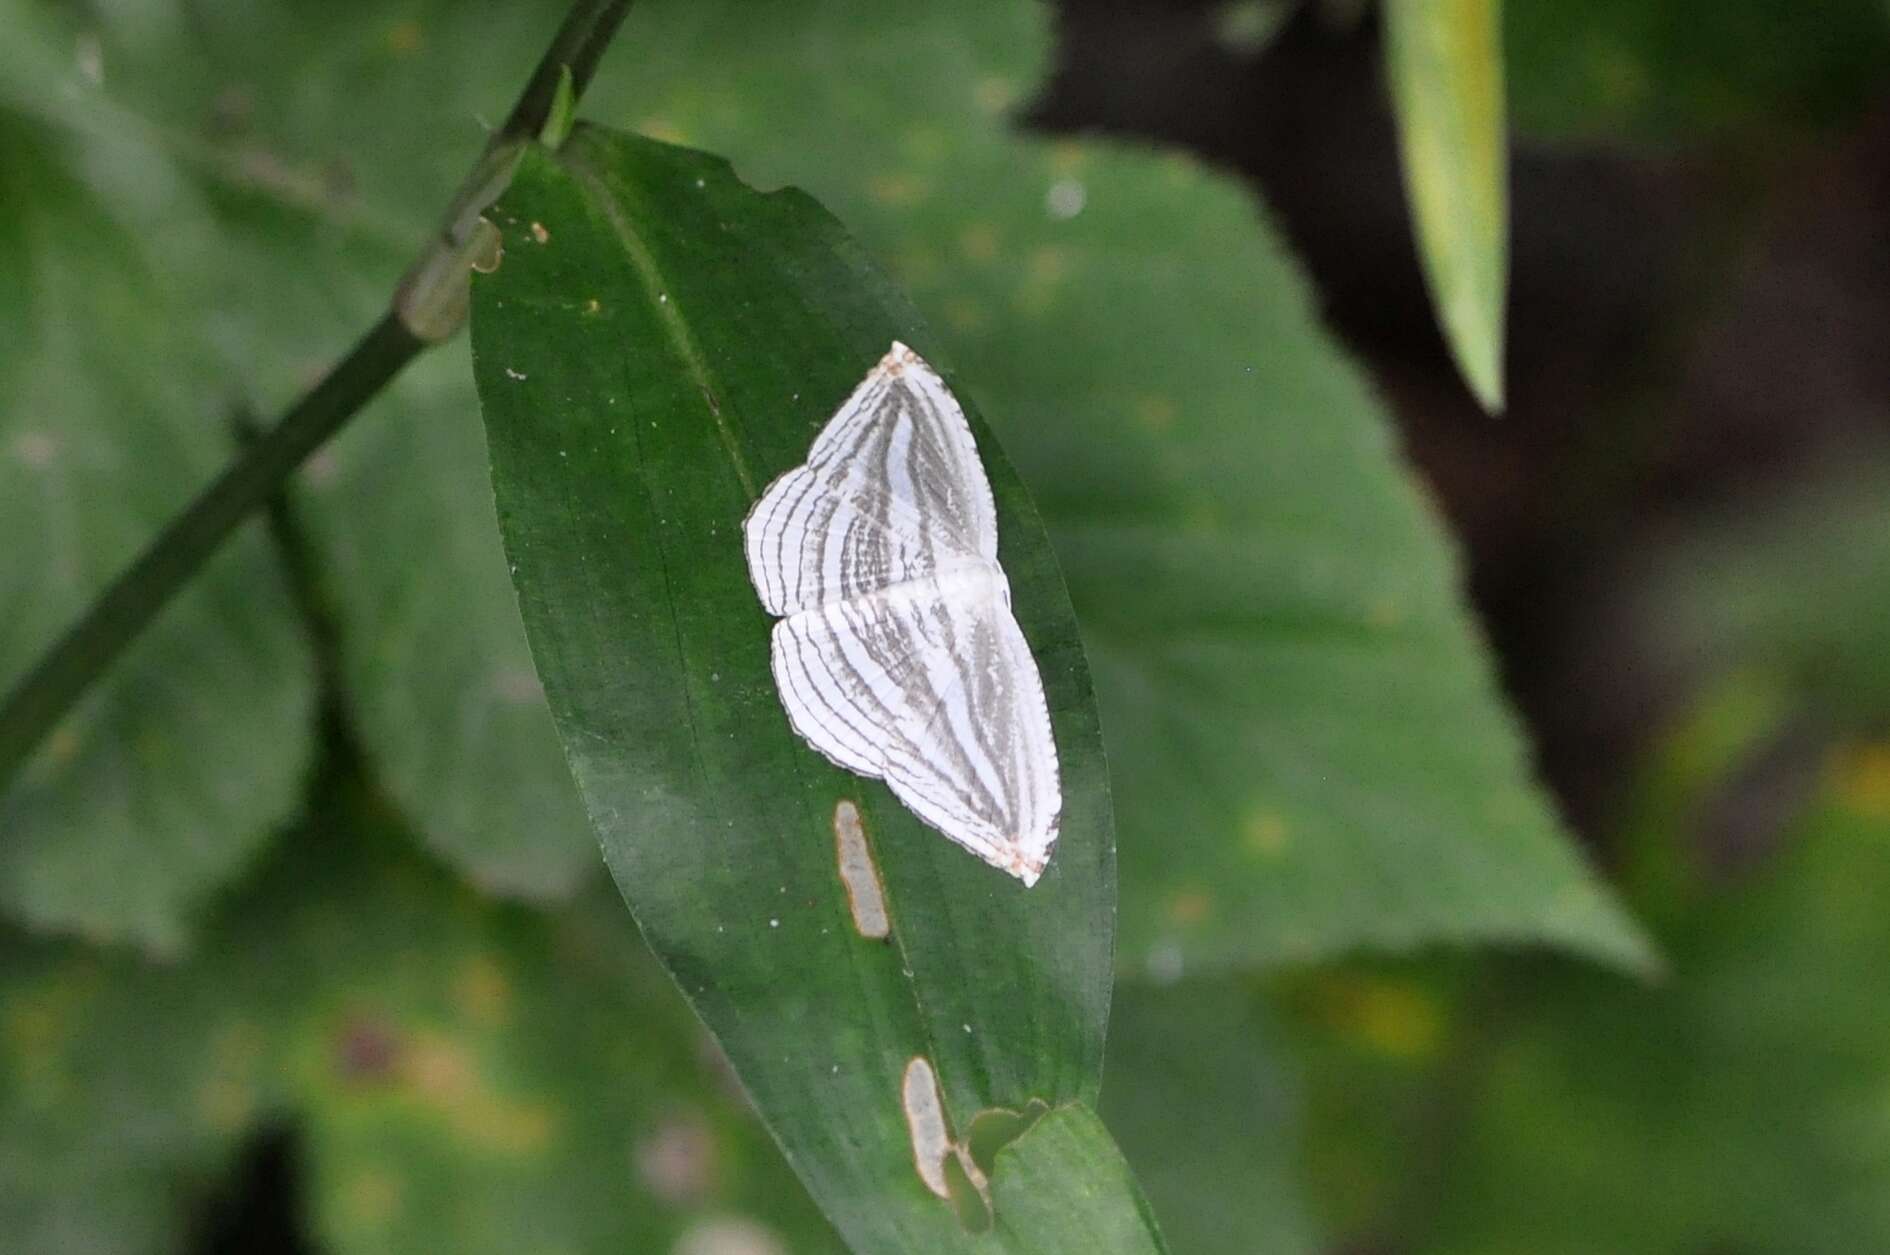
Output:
x,y
540,234
995,94
1862,779
37,1025
371,1197
1049,264
924,143
1264,833
897,190
979,241
917,266
1067,157
1390,1017
1190,906
443,1076
1155,413
225,1105
481,991
405,38
63,745
965,315
1044,272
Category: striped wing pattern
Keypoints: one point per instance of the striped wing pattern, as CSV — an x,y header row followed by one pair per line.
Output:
x,y
898,656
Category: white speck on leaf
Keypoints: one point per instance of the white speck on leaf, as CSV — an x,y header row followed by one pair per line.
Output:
x,y
35,448
1164,963
1065,199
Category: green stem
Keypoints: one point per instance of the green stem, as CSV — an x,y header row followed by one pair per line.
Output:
x,y
44,695
135,597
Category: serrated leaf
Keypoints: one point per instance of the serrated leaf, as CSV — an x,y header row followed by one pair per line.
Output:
x,y
458,1075
170,773
660,342
1269,605
1444,60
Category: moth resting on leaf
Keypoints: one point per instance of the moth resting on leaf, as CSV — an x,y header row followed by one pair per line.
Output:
x,y
896,654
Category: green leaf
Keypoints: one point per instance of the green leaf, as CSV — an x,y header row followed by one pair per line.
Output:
x,y
172,771
1269,606
458,1075
1444,59
1038,1211
276,118
1205,1103
437,677
660,342
1749,1087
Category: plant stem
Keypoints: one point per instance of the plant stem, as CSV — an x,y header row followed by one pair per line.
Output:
x,y
47,691
135,597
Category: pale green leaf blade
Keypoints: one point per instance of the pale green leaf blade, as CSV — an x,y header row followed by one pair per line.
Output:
x,y
1039,1212
659,343
1444,60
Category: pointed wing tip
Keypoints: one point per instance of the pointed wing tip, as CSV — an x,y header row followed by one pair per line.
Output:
x,y
899,358
1025,867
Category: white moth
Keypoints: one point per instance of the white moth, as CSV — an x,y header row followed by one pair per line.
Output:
x,y
897,655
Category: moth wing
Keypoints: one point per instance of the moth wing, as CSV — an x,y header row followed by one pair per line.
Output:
x,y
935,691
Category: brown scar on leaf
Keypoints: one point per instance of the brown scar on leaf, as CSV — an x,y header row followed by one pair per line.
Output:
x,y
539,233
858,873
946,1166
925,1120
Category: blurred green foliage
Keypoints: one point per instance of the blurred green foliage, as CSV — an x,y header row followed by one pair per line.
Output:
x,y
1736,1105
1670,73
460,1074
1307,745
